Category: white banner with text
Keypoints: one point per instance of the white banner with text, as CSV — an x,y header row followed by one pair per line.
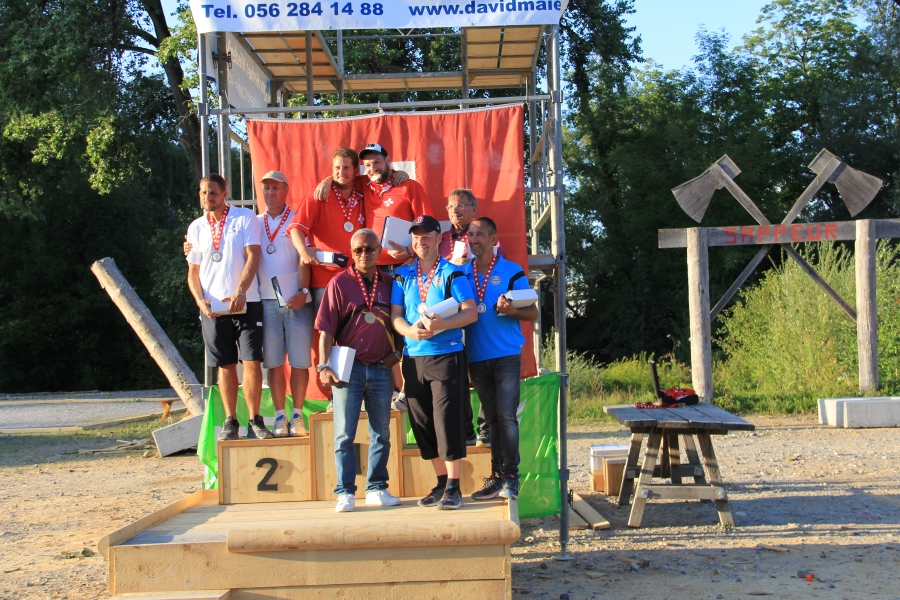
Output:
x,y
247,16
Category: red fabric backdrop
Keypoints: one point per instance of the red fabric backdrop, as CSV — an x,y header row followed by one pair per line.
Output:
x,y
480,149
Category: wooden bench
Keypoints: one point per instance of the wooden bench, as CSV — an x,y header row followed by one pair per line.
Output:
x,y
665,426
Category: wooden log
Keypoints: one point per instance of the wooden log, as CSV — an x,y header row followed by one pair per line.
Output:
x,y
698,302
595,520
341,534
178,436
866,307
161,348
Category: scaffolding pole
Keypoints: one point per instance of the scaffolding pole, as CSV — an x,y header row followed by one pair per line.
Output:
x,y
558,244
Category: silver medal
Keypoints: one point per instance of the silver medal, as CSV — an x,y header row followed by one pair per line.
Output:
x,y
217,256
348,227
370,318
481,308
270,248
422,308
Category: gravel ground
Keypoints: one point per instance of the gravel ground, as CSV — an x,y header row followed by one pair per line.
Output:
x,y
828,498
28,411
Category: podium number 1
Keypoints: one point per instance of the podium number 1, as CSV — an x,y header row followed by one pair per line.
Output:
x,y
264,485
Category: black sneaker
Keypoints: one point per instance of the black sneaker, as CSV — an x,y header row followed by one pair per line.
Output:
x,y
452,499
471,441
490,489
482,440
256,429
510,487
433,497
229,430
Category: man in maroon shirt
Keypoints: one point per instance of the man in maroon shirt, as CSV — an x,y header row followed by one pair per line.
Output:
x,y
355,312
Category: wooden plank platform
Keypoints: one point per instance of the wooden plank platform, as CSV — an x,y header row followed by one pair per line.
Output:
x,y
303,549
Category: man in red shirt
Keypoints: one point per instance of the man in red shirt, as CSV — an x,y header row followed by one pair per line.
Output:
x,y
384,198
355,313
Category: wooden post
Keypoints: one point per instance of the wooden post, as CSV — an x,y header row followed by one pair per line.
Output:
x,y
155,339
866,308
698,301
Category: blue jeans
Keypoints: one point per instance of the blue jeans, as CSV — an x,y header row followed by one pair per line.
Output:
x,y
373,385
497,383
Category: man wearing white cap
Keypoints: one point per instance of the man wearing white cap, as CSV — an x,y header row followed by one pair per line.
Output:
x,y
287,329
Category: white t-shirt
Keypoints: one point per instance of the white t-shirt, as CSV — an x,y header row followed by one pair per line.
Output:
x,y
220,280
284,260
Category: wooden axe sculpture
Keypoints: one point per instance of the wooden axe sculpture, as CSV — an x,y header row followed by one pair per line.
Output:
x,y
857,189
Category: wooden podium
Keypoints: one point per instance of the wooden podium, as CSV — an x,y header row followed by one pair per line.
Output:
x,y
270,531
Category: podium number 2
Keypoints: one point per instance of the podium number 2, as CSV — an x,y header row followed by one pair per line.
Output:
x,y
264,485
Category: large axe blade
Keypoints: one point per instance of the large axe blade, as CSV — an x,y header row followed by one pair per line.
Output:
x,y
857,189
695,195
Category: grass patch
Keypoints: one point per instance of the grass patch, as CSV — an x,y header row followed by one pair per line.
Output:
x,y
29,449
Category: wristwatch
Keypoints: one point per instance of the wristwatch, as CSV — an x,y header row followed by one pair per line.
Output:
x,y
240,293
320,368
304,290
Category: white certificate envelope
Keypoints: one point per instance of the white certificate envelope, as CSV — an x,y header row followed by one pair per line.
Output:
x,y
522,298
341,361
460,249
221,307
396,230
332,259
446,308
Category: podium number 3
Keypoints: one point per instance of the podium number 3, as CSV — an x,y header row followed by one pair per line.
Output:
x,y
264,485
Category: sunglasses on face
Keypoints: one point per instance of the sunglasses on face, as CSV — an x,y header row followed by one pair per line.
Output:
x,y
369,250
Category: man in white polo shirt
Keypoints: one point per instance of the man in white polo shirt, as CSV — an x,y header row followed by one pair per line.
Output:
x,y
222,268
286,329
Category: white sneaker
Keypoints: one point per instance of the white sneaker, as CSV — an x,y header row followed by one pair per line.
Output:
x,y
345,503
330,407
400,403
381,498
296,428
280,429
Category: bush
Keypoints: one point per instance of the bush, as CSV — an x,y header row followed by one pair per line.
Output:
x,y
786,343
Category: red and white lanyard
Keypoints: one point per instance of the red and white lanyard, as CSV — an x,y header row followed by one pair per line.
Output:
x,y
482,289
284,218
216,229
423,285
369,298
348,204
382,189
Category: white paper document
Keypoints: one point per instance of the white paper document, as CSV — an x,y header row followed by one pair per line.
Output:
x,y
396,230
341,361
522,298
446,308
220,307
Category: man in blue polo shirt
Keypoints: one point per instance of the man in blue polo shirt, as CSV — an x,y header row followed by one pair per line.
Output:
x,y
494,348
434,365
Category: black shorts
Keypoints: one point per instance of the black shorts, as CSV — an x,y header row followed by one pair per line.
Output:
x,y
436,388
230,337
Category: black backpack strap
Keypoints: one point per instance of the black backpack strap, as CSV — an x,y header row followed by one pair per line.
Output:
x,y
450,279
514,279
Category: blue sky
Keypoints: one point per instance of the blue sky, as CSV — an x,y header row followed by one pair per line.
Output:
x,y
668,27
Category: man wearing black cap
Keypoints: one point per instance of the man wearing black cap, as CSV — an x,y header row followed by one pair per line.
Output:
x,y
384,198
434,365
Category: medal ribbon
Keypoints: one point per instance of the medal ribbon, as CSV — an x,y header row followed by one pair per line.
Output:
x,y
216,229
381,189
348,204
368,298
482,289
423,285
284,218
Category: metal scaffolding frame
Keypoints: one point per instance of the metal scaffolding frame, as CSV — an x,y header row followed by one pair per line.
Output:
x,y
544,168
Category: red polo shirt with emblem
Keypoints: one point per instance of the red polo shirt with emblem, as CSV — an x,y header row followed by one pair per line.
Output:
x,y
405,201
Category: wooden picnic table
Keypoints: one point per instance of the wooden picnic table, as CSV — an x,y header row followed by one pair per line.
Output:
x,y
664,426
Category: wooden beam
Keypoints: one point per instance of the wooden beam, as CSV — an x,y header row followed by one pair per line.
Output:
x,y
681,492
866,306
161,348
341,534
595,520
698,302
768,235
